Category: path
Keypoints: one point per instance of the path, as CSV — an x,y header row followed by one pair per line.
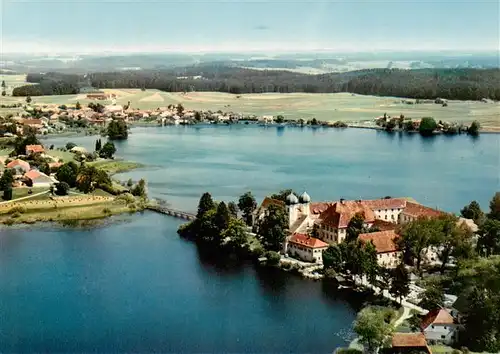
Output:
x,y
22,198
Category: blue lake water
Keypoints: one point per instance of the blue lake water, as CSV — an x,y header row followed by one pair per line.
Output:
x,y
135,286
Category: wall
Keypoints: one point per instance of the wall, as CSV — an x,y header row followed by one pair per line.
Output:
x,y
389,259
442,333
391,215
314,255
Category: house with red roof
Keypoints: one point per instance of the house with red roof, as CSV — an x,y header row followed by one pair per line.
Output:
x,y
409,343
36,178
439,326
388,253
34,149
306,248
413,211
20,167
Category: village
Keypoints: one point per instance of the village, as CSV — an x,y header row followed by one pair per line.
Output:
x,y
103,108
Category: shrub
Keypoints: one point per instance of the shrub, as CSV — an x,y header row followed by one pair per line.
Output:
x,y
427,126
17,209
273,258
15,215
9,222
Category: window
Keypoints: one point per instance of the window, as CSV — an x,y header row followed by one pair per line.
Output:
x,y
443,337
386,217
432,326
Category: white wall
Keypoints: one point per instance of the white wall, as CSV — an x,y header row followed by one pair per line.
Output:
x,y
441,333
389,259
314,255
390,215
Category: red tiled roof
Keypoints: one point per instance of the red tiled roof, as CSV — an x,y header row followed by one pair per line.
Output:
x,y
18,162
437,317
382,240
319,207
418,210
33,174
408,340
340,213
34,148
383,225
389,203
307,241
270,201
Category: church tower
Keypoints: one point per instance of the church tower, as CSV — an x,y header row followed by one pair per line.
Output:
x,y
292,208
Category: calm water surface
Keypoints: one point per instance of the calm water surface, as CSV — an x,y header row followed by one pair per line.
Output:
x,y
136,286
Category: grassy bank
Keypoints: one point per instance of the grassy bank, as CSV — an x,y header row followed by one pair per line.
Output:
x,y
115,166
81,207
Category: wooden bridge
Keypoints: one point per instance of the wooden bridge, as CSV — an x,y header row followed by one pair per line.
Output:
x,y
163,209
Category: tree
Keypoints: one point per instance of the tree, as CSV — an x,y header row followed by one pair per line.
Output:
x,y
273,228
3,84
473,211
98,145
222,217
130,183
70,146
355,227
67,173
139,189
370,262
372,329
205,204
6,180
117,130
28,99
453,239
283,194
20,143
333,258
62,188
45,168
433,297
390,125
280,119
488,242
7,194
108,150
400,285
495,207
90,178
4,93
247,205
233,209
197,116
474,128
180,109
78,106
416,237
427,126
235,234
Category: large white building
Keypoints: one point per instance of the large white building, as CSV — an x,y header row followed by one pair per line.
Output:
x,y
306,248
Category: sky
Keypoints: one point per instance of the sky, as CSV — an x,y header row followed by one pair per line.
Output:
x,y
56,26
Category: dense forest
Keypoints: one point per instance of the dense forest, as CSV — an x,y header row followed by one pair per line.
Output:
x,y
459,84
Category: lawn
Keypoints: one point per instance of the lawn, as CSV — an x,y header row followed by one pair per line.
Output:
x,y
66,156
23,192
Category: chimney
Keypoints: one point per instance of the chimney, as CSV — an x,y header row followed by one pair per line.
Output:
x,y
342,201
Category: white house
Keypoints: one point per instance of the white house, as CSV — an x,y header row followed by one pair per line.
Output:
x,y
439,326
388,254
306,248
38,179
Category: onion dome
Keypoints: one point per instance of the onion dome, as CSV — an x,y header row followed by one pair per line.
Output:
x,y
305,198
291,199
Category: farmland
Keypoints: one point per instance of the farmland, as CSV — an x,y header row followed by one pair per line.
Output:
x,y
328,107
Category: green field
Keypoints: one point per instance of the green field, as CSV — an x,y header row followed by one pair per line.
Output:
x,y
328,107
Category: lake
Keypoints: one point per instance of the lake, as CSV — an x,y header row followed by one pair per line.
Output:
x,y
135,286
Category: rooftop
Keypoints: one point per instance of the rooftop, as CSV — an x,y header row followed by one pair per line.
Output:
x,y
340,213
307,241
408,340
419,210
437,317
382,240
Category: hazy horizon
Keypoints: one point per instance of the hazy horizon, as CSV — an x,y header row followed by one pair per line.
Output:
x,y
130,26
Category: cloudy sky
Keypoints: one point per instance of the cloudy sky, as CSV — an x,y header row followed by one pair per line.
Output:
x,y
239,25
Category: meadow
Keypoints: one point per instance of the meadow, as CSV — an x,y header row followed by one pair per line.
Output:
x,y
328,107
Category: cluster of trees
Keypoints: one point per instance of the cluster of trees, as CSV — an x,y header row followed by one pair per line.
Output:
x,y
460,84
427,126
117,130
49,84
85,178
216,229
105,151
